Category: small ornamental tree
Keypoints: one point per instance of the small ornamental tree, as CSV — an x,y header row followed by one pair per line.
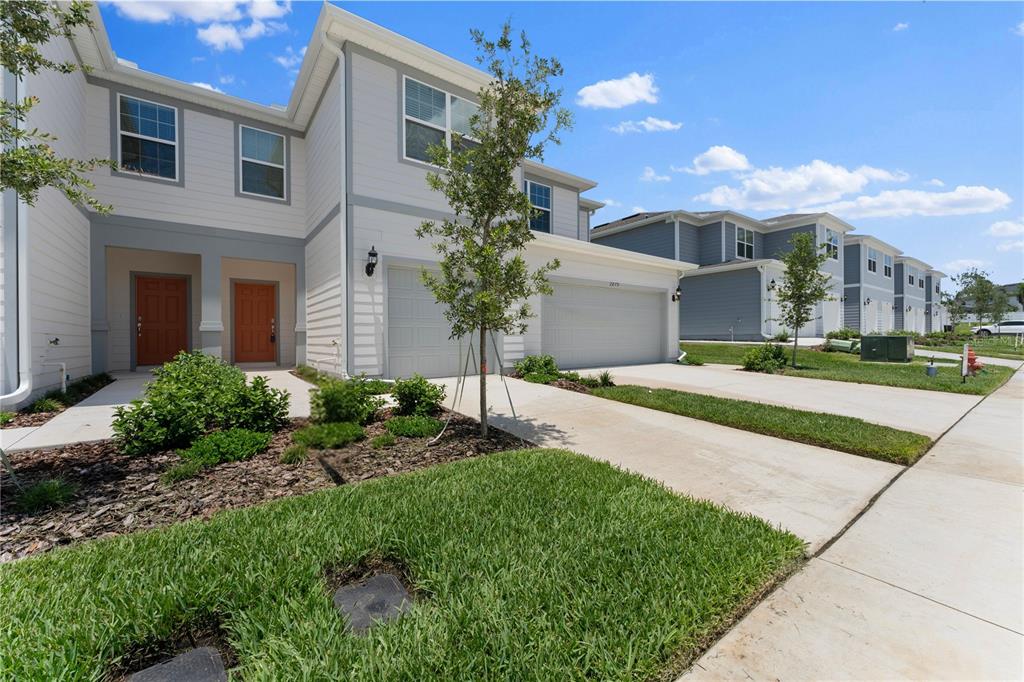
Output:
x,y
955,308
988,301
484,282
27,161
803,286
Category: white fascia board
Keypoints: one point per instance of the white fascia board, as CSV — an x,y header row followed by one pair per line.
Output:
x,y
737,265
541,170
937,273
913,262
877,243
583,248
591,204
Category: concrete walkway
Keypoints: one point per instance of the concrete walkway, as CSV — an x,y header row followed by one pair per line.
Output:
x,y
986,360
811,491
89,420
926,412
925,585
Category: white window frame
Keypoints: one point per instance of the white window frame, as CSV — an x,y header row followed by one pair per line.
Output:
x,y
242,157
873,260
832,249
739,231
447,130
910,279
550,210
920,282
146,137
887,263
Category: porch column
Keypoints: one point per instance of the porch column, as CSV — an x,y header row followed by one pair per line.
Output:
x,y
100,325
211,325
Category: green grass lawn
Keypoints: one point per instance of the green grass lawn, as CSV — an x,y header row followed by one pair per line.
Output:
x,y
536,564
847,434
846,367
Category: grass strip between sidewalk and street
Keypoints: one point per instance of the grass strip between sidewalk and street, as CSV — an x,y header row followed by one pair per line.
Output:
x,y
836,432
533,564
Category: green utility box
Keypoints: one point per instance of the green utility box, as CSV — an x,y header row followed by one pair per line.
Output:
x,y
886,348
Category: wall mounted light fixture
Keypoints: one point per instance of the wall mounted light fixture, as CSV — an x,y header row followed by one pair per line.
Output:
x,y
771,285
909,308
677,295
371,261
867,301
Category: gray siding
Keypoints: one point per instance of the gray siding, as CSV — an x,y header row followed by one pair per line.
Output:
x,y
689,243
711,304
777,243
851,270
852,307
654,240
710,244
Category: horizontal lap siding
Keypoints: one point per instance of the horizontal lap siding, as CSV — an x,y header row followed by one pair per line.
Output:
x,y
324,303
710,244
711,304
323,155
654,240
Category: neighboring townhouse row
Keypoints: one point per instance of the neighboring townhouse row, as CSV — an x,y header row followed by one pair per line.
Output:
x,y
283,235
731,296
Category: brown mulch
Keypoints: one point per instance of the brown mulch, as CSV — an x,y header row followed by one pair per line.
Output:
x,y
569,385
117,494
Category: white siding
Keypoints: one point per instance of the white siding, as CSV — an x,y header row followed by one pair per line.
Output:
x,y
324,160
208,197
324,305
564,218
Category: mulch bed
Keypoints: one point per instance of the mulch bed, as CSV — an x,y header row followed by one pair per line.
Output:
x,y
23,419
117,494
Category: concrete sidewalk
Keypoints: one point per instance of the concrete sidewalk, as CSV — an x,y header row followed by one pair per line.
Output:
x,y
986,360
926,585
811,491
90,419
926,412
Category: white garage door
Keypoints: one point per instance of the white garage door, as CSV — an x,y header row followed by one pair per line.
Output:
x,y
590,326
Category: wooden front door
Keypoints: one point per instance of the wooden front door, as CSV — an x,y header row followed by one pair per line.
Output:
x,y
161,319
255,322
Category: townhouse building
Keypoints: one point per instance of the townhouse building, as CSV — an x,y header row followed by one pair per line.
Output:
x,y
869,284
909,294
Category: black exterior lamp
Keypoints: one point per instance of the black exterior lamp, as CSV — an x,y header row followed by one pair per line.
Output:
x,y
771,285
678,294
867,301
371,261
909,308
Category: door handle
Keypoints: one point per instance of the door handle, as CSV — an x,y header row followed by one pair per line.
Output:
x,y
138,326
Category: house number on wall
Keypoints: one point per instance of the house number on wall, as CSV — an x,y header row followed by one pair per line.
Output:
x,y
613,284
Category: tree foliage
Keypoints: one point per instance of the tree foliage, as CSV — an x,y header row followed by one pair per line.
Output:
x,y
804,285
484,281
979,294
28,162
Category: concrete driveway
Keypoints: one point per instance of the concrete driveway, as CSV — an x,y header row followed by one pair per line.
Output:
x,y
811,491
929,413
925,585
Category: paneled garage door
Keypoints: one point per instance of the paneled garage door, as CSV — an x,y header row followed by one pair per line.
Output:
x,y
590,326
418,333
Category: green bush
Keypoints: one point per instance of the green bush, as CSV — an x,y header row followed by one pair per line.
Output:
x,y
535,378
338,400
6,418
781,337
376,386
384,440
329,435
45,404
313,376
415,426
294,454
45,494
180,472
542,367
226,446
691,359
766,358
417,396
605,379
844,334
192,394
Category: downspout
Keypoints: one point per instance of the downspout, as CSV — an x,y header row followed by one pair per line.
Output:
x,y
341,345
21,302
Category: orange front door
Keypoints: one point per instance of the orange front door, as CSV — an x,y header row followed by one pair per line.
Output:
x,y
255,323
161,319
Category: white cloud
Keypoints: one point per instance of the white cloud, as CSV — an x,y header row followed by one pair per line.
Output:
x,y
1019,29
648,125
716,158
935,182
963,200
1011,246
775,188
619,92
961,264
290,59
233,36
902,26
226,79
207,86
223,28
160,11
610,203
637,209
267,9
1006,228
649,175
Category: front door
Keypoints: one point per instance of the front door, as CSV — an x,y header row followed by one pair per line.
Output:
x,y
161,318
255,322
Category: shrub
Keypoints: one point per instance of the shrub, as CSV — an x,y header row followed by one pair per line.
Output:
x,y
693,360
6,418
782,337
343,401
45,404
418,396
590,382
765,358
294,454
182,471
844,334
535,378
376,386
45,494
329,435
313,376
226,446
542,367
415,426
258,407
605,378
384,440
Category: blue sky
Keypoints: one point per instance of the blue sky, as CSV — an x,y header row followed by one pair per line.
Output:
x,y
905,119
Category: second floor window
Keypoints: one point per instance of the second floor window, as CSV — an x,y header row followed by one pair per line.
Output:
x,y
872,260
937,288
744,243
832,244
147,138
910,280
263,162
431,116
887,267
920,283
540,199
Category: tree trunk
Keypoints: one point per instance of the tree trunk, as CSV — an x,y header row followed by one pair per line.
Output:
x,y
796,337
483,381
